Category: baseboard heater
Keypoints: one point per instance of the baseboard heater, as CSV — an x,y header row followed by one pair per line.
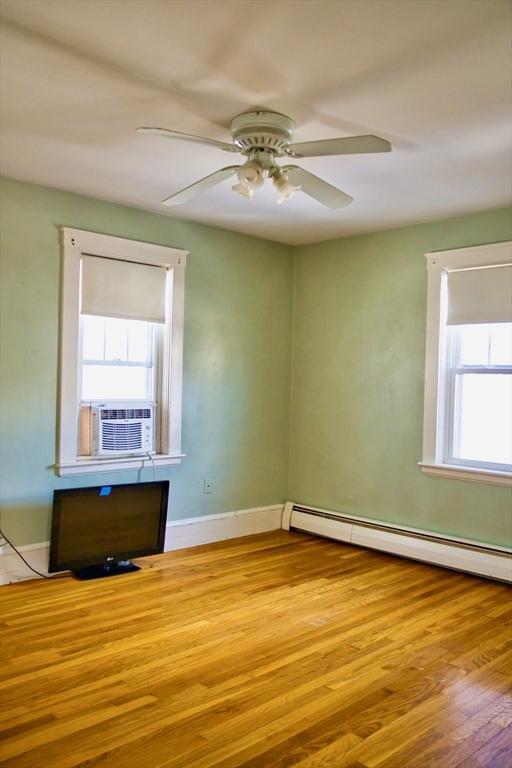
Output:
x,y
459,554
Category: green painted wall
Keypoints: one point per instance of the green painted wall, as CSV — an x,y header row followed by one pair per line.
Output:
x,y
357,372
357,382
236,358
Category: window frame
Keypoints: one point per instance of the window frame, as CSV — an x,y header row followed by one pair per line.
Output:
x,y
435,417
75,243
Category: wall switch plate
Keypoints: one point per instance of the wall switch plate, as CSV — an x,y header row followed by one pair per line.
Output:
x,y
207,485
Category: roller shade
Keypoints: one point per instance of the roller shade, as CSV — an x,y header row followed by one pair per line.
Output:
x,y
480,295
115,288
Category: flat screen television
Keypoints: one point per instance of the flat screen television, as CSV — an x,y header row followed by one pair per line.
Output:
x,y
96,530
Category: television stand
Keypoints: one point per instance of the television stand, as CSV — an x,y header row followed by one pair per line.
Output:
x,y
108,569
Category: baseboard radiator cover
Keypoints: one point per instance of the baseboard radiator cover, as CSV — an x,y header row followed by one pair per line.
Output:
x,y
437,549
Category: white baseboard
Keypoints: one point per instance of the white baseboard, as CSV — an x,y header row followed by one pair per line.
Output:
x,y
179,534
12,567
193,531
434,548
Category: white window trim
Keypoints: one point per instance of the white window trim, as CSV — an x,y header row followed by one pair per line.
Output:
x,y
438,265
76,242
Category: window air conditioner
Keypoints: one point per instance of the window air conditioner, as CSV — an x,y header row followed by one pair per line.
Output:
x,y
120,430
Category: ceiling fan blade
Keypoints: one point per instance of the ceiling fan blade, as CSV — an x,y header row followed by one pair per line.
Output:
x,y
189,137
351,145
317,188
201,186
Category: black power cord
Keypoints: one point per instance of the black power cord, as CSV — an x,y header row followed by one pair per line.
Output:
x,y
2,534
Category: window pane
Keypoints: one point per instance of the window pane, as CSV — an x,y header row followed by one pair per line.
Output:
x,y
485,344
483,413
93,330
116,339
111,382
474,344
501,344
139,341
110,338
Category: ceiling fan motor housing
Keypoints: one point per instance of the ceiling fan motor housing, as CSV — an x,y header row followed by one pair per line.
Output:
x,y
267,131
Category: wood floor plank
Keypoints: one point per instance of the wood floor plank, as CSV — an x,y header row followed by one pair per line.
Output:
x,y
270,651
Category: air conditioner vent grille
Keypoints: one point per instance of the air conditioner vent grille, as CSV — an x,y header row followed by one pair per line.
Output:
x,y
125,413
121,437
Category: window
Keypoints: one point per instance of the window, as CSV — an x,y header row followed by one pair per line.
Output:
x,y
121,342
468,372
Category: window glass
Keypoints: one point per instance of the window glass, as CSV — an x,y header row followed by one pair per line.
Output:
x,y
111,382
501,344
139,341
116,339
481,394
117,359
486,344
474,344
93,332
483,418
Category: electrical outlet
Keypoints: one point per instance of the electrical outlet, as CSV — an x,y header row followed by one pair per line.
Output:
x,y
208,485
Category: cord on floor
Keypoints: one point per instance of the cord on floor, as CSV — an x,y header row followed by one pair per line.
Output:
x,y
43,575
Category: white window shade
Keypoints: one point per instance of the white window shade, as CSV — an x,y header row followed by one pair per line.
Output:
x,y
115,288
480,295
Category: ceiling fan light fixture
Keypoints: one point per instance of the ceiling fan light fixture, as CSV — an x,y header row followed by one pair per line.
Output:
x,y
244,189
284,187
251,177
252,173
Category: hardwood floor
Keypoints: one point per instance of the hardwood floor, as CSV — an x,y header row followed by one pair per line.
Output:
x,y
264,652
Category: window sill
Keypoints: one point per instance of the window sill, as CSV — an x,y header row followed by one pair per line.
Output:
x,y
454,472
92,465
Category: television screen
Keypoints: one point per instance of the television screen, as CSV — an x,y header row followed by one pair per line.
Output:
x,y
107,524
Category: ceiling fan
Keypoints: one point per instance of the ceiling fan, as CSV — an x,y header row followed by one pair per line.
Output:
x,y
261,137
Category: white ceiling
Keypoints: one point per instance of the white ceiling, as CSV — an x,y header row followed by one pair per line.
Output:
x,y
431,76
